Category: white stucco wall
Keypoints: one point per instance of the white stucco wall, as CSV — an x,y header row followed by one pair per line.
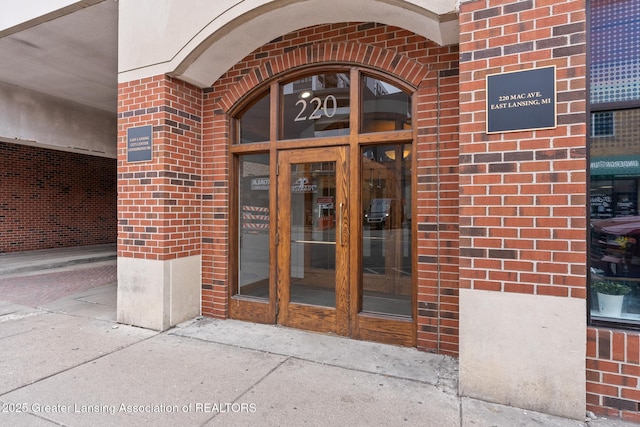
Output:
x,y
33,118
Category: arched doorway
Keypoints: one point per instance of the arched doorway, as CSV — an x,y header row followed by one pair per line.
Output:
x,y
321,205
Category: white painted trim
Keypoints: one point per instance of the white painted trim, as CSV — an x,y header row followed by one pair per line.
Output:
x,y
198,41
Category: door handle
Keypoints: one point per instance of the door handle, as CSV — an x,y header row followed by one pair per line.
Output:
x,y
340,225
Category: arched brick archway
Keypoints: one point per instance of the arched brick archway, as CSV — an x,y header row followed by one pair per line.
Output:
x,y
431,70
376,58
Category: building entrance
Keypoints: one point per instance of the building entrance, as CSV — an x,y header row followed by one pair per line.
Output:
x,y
313,239
323,235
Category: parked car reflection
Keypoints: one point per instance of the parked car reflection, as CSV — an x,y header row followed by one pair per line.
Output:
x,y
378,213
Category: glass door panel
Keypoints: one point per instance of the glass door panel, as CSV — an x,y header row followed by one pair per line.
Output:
x,y
313,233
312,266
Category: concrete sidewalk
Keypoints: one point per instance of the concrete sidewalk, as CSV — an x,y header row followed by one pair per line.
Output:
x,y
66,362
38,261
63,364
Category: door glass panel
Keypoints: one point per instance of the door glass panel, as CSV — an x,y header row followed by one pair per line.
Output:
x,y
313,233
316,106
386,235
253,262
254,122
384,107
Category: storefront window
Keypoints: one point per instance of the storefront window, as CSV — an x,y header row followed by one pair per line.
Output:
x,y
615,220
614,151
615,56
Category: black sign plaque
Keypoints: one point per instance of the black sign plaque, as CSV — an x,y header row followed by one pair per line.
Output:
x,y
140,144
521,100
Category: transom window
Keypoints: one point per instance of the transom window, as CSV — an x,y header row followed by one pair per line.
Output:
x,y
319,106
316,106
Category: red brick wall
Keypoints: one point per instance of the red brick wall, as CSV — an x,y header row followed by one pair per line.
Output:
x,y
431,68
523,194
53,199
159,206
526,232
613,370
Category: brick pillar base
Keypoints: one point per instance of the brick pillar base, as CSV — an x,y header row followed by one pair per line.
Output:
x,y
159,205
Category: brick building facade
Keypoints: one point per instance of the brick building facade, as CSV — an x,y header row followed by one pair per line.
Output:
x,y
55,199
499,222
329,165
523,194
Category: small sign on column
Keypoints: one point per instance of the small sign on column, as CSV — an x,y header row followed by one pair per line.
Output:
x,y
140,144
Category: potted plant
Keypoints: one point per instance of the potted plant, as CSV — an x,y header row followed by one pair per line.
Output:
x,y
610,297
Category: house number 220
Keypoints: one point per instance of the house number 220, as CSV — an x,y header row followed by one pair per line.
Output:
x,y
329,107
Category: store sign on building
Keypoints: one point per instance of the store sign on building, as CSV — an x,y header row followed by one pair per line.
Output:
x,y
140,144
615,165
521,100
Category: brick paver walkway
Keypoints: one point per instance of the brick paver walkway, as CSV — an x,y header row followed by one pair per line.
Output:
x,y
36,290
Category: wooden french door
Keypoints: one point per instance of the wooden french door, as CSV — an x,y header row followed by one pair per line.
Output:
x,y
313,239
322,201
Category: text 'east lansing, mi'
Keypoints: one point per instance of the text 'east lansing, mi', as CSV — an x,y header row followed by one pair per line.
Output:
x,y
520,100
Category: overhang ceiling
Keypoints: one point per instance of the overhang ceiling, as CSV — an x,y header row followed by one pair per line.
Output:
x,y
72,53
74,56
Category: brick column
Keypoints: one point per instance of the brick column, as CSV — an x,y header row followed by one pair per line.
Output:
x,y
159,213
437,205
523,213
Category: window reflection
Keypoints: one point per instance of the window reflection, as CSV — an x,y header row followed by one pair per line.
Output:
x,y
254,215
313,233
614,148
254,122
316,106
385,107
615,57
386,236
615,220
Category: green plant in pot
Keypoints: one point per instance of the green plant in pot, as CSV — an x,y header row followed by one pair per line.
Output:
x,y
611,287
610,297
